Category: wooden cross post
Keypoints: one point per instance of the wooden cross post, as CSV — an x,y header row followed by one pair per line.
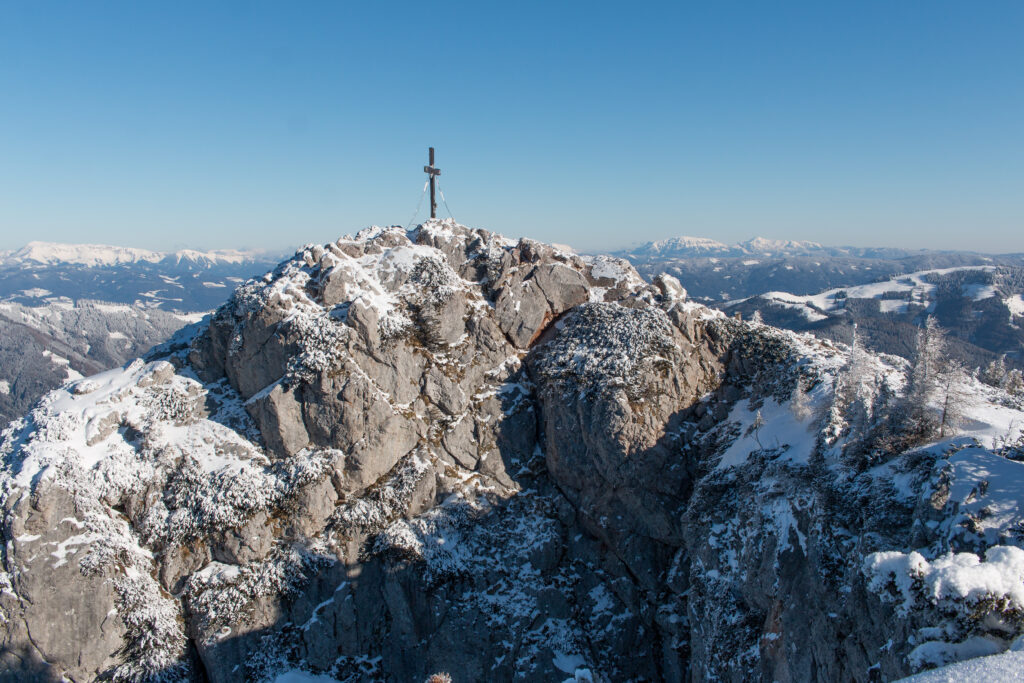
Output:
x,y
433,173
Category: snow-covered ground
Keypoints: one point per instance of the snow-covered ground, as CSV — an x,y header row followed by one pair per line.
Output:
x,y
1016,304
894,295
1007,667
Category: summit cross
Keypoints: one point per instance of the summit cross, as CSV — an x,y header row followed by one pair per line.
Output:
x,y
433,173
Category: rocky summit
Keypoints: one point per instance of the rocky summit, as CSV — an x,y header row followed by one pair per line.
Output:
x,y
405,453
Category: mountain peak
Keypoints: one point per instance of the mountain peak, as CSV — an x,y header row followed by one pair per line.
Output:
x,y
690,247
529,454
689,242
764,245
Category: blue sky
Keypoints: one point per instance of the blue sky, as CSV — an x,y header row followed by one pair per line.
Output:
x,y
266,124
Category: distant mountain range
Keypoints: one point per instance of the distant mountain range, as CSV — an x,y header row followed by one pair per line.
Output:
x,y
694,247
181,281
94,255
981,307
685,247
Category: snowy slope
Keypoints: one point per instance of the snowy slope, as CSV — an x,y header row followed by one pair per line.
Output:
x,y
43,346
894,295
96,307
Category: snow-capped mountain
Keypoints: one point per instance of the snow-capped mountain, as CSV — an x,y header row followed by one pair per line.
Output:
x,y
689,247
401,453
96,255
769,247
182,281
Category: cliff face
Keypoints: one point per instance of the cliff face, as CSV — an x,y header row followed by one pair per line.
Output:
x,y
442,450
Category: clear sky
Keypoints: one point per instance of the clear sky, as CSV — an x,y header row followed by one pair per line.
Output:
x,y
266,124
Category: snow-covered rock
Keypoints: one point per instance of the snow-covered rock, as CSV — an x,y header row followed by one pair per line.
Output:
x,y
441,450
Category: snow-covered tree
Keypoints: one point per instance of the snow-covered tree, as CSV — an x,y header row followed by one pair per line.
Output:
x,y
995,373
856,389
755,427
951,393
1014,383
929,354
800,404
926,373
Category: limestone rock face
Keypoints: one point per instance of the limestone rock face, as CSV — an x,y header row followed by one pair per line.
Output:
x,y
377,345
279,414
55,608
440,450
614,384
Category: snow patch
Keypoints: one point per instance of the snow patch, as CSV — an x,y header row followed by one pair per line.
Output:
x,y
568,662
1016,305
953,578
1000,668
783,433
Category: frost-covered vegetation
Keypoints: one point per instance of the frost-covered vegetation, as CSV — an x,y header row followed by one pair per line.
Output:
x,y
977,605
613,346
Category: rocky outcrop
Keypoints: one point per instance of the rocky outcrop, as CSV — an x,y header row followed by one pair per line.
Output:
x,y
403,453
619,381
377,345
53,610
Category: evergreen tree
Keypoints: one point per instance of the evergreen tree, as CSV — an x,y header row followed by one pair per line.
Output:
x,y
929,354
1014,383
951,390
856,401
856,389
920,419
755,427
799,404
995,372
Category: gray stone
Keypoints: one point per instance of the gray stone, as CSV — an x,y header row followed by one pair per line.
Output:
x,y
249,543
61,621
562,286
278,413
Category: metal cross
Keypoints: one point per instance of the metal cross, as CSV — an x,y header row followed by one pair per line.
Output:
x,y
433,173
